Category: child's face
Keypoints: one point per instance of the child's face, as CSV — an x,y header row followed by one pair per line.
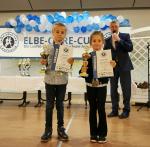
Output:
x,y
97,42
59,33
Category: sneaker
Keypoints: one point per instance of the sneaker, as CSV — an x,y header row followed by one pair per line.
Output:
x,y
46,136
62,134
102,140
93,139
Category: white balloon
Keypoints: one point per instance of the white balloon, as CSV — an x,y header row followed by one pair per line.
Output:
x,y
32,23
22,16
13,22
101,24
49,27
42,28
63,14
96,19
25,20
108,21
90,20
43,19
120,18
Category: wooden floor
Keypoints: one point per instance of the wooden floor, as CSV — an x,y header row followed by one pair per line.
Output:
x,y
22,127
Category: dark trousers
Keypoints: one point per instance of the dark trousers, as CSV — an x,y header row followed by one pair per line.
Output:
x,y
53,91
97,99
125,81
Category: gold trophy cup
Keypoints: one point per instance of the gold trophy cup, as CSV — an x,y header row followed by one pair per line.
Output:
x,y
85,57
44,55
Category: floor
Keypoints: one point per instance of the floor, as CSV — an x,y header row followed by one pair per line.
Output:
x,y
23,126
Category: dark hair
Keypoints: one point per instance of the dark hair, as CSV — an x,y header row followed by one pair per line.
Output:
x,y
97,33
115,21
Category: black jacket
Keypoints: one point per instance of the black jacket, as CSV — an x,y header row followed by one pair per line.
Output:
x,y
90,73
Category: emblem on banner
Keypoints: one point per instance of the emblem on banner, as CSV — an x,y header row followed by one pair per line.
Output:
x,y
8,42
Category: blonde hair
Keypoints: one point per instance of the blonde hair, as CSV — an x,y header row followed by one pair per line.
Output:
x,y
97,33
59,24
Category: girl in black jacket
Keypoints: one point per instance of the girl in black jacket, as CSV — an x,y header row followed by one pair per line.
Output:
x,y
96,91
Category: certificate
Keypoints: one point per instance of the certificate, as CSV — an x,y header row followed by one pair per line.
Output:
x,y
63,54
104,68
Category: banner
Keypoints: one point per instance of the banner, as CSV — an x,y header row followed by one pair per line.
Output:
x,y
27,44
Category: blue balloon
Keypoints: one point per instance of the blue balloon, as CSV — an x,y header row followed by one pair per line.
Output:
x,y
75,15
20,24
37,19
76,29
96,27
105,27
89,28
50,19
36,29
125,23
61,19
18,30
69,19
30,17
80,18
86,15
28,28
83,29
8,25
17,18
56,15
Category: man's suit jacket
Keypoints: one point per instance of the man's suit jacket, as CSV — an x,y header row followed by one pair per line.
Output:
x,y
120,53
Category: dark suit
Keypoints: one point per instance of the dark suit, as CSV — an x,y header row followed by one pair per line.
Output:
x,y
122,70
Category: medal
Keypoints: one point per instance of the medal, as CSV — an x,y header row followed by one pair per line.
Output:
x,y
95,82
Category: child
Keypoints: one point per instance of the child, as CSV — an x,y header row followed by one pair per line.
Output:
x,y
55,85
96,93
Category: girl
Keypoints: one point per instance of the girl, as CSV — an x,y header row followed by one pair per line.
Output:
x,y
96,92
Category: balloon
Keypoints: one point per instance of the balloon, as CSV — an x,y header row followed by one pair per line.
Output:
x,y
120,19
102,24
36,28
32,23
85,14
24,20
8,25
50,19
29,16
63,14
75,15
61,19
89,28
42,28
76,29
96,26
13,22
96,19
80,18
83,29
28,28
43,19
69,19
18,30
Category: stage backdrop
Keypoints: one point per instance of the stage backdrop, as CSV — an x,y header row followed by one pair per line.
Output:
x,y
27,44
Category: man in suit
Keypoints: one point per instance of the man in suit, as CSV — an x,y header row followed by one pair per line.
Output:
x,y
120,44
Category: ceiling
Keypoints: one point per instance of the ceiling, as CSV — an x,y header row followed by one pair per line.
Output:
x,y
69,5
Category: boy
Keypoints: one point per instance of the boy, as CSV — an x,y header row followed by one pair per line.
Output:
x,y
55,85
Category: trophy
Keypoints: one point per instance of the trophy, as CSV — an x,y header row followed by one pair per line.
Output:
x,y
23,66
85,62
44,55
27,66
19,66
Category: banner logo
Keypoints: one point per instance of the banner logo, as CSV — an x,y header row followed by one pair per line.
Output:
x,y
8,42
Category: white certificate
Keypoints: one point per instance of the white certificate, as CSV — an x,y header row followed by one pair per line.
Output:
x,y
104,68
64,54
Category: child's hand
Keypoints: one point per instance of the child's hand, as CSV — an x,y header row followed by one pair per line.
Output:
x,y
70,61
113,63
43,61
86,55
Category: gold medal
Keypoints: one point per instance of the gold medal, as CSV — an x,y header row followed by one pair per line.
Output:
x,y
95,82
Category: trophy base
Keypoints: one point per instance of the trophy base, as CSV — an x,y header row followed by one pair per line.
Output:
x,y
83,74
